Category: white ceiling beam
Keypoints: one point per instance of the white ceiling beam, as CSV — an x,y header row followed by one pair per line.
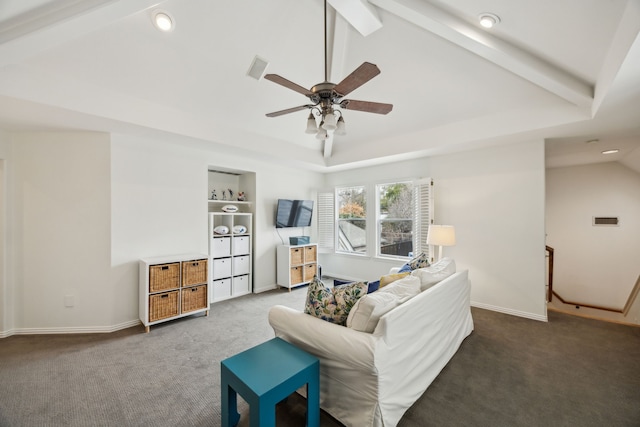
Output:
x,y
328,147
359,13
337,47
518,61
624,40
51,26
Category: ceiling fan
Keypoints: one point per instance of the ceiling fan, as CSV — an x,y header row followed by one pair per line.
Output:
x,y
326,95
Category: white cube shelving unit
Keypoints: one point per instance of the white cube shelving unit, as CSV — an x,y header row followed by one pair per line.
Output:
x,y
231,259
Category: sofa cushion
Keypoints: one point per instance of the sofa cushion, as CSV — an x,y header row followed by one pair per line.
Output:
x,y
390,278
333,305
366,313
408,286
435,273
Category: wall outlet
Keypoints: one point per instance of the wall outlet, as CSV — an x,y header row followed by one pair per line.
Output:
x,y
69,300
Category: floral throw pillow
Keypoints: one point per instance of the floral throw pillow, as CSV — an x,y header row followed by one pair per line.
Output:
x,y
421,261
333,305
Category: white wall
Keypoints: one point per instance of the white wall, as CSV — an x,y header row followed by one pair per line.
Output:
x,y
594,265
60,212
6,296
495,199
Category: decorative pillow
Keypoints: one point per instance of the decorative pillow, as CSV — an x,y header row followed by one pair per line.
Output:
x,y
421,261
388,278
435,273
372,287
347,295
405,268
333,306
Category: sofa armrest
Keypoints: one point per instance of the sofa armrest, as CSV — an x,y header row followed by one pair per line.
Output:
x,y
394,270
323,339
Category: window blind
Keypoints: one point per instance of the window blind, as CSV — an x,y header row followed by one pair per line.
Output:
x,y
326,221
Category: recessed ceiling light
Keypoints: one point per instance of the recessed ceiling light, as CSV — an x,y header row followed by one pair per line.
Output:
x,y
488,20
614,151
162,20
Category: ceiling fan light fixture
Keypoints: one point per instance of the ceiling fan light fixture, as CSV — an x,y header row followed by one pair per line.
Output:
x,y
489,20
340,127
329,122
311,125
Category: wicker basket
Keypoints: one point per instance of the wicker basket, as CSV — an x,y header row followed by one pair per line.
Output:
x,y
296,275
194,272
310,270
163,305
310,253
296,256
194,298
164,276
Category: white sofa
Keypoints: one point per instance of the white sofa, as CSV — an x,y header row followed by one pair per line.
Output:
x,y
371,379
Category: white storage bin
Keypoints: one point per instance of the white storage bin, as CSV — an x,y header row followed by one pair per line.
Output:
x,y
241,245
241,265
241,284
221,268
220,247
221,289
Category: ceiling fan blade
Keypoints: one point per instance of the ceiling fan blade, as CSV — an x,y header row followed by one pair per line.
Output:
x,y
289,110
288,84
367,106
357,78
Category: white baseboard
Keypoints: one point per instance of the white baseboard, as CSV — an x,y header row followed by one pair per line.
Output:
x,y
69,330
510,311
264,289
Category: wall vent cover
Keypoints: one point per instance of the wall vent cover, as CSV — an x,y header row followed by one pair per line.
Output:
x,y
606,220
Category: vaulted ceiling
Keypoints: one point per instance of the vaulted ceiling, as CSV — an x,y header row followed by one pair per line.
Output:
x,y
564,71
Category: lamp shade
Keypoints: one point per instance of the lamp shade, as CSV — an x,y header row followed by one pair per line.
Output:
x,y
329,122
340,127
441,235
311,124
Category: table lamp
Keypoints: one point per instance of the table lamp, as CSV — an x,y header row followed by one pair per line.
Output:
x,y
441,235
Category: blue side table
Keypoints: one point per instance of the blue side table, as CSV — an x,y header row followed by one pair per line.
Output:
x,y
265,375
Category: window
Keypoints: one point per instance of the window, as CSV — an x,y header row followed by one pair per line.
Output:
x,y
403,214
352,219
395,214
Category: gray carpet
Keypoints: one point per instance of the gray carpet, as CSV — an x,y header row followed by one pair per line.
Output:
x,y
509,372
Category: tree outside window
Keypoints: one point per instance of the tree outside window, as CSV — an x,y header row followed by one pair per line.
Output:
x,y
395,215
352,219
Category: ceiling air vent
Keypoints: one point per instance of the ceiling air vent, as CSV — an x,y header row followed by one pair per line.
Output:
x,y
606,220
257,68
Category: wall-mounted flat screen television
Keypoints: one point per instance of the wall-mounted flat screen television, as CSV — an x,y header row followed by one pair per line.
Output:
x,y
294,213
